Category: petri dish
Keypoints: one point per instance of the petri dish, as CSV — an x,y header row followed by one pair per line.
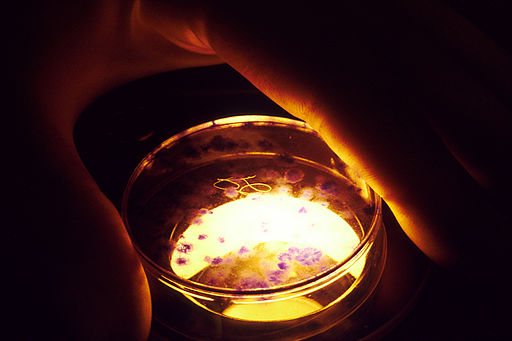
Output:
x,y
251,227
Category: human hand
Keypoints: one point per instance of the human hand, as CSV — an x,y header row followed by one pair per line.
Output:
x,y
355,75
75,273
426,132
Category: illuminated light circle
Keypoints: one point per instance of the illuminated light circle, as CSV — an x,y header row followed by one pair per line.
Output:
x,y
273,311
269,224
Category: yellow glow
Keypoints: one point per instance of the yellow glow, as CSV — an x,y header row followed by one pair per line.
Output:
x,y
260,219
273,311
265,227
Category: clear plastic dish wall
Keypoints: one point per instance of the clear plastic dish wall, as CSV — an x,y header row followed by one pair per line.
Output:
x,y
250,227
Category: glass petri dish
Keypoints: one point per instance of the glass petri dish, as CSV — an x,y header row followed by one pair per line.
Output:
x,y
251,227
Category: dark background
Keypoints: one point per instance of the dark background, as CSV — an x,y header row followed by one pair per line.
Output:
x,y
120,128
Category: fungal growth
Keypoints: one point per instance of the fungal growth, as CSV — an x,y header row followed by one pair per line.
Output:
x,y
264,237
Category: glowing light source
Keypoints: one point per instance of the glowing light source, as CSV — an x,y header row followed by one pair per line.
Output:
x,y
262,241
282,230
273,311
255,225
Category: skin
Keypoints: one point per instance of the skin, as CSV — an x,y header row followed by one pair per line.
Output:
x,y
417,108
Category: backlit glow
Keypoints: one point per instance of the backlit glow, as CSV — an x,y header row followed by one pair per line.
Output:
x,y
278,232
274,311
262,241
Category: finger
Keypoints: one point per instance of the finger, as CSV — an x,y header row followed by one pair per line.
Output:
x,y
354,77
76,275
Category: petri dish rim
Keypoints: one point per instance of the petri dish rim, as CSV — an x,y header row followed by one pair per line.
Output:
x,y
187,285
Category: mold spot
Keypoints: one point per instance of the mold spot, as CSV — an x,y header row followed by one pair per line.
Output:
x,y
265,144
243,250
217,260
184,247
251,283
294,175
275,277
220,143
308,256
285,257
181,261
283,265
329,187
293,250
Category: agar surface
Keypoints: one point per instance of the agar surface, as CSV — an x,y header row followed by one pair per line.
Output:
x,y
260,241
265,265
